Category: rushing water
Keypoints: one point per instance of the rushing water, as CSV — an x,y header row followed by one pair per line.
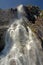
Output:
x,y
21,44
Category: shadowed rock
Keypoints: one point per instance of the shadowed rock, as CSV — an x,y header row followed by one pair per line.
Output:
x,y
2,45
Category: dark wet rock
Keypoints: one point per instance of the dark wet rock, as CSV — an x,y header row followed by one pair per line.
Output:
x,y
42,43
2,45
6,15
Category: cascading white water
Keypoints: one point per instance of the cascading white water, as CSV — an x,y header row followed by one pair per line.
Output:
x,y
21,45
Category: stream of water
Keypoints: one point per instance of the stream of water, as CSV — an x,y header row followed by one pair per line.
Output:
x,y
20,48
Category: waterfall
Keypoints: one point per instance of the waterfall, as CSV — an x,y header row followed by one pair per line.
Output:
x,y
20,45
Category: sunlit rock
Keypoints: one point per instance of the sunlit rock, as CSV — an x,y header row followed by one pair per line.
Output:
x,y
21,44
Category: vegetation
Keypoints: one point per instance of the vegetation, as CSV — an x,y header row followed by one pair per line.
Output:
x,y
7,15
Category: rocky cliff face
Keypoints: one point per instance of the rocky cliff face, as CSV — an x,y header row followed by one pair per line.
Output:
x,y
34,20
33,12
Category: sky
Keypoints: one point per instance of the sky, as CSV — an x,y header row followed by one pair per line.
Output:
x,y
6,4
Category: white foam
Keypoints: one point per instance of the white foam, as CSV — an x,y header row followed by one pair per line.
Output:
x,y
21,49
